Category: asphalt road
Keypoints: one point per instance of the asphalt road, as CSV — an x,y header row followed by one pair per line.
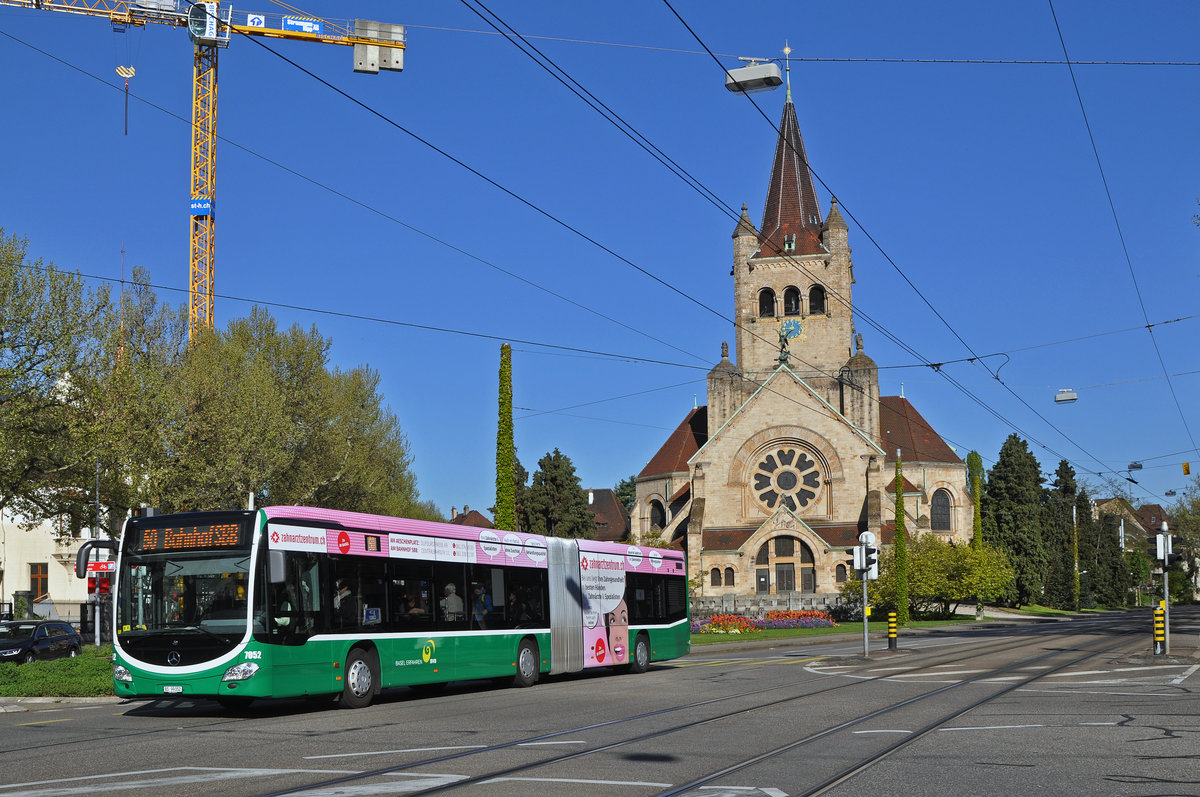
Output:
x,y
1075,707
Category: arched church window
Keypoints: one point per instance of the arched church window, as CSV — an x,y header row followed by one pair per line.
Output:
x,y
785,476
766,303
816,300
729,577
716,577
841,574
785,546
791,301
658,515
763,556
939,516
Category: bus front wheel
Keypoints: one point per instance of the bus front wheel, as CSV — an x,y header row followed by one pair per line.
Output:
x,y
527,664
359,680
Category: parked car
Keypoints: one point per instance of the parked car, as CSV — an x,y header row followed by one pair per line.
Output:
x,y
28,640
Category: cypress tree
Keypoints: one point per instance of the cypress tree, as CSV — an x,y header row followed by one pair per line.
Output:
x,y
555,503
1012,518
506,450
975,483
900,548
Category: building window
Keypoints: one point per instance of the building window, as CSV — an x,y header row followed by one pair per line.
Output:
x,y
729,577
766,303
841,574
816,300
39,580
787,477
791,301
785,546
715,577
789,243
764,555
939,519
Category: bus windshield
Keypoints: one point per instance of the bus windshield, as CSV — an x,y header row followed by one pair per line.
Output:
x,y
195,590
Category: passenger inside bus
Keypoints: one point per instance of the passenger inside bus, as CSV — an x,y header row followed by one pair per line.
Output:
x,y
451,604
481,606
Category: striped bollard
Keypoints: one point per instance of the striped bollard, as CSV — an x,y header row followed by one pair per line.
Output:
x,y
892,640
1160,632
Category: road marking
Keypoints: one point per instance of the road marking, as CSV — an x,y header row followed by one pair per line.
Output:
x,y
395,752
418,782
990,727
1185,674
126,781
898,730
539,744
581,780
43,722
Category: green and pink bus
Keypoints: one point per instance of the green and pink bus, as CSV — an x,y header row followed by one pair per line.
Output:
x,y
290,601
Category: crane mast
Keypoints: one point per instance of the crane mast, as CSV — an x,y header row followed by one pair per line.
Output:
x,y
377,45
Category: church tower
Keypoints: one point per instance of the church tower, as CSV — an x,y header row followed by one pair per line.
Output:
x,y
795,270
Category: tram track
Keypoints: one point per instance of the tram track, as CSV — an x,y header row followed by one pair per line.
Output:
x,y
920,662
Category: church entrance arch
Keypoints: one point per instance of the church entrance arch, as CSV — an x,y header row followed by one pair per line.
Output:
x,y
792,562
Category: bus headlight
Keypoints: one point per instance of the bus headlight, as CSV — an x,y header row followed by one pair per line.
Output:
x,y
240,672
122,674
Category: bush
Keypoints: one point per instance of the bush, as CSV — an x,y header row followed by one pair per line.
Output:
x,y
87,675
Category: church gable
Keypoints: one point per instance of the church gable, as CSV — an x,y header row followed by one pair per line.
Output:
x,y
784,449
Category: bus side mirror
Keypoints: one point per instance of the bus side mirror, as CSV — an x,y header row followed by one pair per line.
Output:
x,y
277,567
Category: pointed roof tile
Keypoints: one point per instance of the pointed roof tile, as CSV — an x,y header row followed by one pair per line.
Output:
x,y
791,208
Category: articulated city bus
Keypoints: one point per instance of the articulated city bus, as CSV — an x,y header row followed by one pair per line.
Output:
x,y
289,601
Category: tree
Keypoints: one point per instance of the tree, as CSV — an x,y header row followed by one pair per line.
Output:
x,y
626,491
941,575
556,506
47,354
975,485
505,512
1061,537
1012,518
900,549
248,410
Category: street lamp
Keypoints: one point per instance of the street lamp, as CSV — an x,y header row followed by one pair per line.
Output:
x,y
761,75
1065,395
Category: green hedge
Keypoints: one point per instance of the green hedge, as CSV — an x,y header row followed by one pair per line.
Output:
x,y
87,675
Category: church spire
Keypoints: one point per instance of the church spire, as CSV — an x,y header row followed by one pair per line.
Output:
x,y
791,217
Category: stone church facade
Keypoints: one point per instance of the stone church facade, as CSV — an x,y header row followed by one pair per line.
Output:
x,y
768,486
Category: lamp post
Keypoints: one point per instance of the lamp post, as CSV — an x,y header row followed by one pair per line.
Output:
x,y
1166,593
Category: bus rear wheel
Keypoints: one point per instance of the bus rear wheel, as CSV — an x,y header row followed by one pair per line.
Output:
x,y
358,686
527,664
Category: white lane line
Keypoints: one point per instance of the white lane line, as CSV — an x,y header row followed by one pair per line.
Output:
x,y
1185,674
885,731
394,752
581,780
126,781
539,744
989,727
417,782
939,674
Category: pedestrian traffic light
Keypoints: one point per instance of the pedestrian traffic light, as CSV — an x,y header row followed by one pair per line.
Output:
x,y
871,561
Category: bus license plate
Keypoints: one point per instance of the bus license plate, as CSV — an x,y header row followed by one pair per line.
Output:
x,y
172,690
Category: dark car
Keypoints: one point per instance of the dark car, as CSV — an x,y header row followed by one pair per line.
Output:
x,y
29,640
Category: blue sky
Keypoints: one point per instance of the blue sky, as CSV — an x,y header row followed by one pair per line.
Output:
x,y
975,182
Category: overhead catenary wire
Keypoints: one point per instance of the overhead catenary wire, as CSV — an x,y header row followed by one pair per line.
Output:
x,y
925,300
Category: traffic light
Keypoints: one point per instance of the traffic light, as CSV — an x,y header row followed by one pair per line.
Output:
x,y
99,585
870,561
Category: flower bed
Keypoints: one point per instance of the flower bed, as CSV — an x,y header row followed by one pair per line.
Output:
x,y
737,624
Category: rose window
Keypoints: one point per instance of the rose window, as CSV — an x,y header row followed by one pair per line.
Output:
x,y
786,477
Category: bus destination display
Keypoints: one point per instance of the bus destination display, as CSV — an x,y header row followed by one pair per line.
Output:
x,y
187,538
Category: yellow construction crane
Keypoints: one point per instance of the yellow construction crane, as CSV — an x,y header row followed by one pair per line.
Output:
x,y
377,45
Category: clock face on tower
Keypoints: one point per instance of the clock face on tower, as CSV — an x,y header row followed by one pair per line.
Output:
x,y
791,328
786,476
